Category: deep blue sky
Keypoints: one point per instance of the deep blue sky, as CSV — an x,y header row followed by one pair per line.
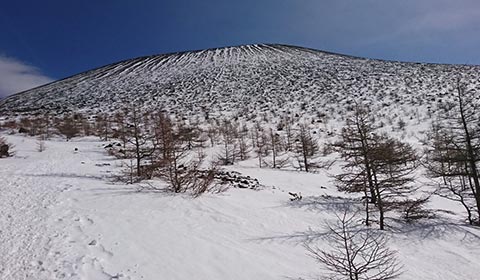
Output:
x,y
61,38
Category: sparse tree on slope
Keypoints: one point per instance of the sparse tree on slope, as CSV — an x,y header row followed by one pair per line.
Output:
x,y
176,163
378,166
306,148
356,148
260,143
394,163
68,127
454,151
244,147
275,146
140,138
358,140
104,126
229,132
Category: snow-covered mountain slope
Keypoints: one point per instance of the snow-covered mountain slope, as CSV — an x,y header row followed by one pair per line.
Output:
x,y
62,218
251,79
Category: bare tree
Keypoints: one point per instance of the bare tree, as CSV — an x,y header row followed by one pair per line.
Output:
x,y
129,172
229,132
453,155
189,134
176,163
260,143
44,126
447,167
286,125
356,253
103,126
274,147
25,125
356,145
141,140
414,209
306,148
378,166
243,146
68,127
212,134
121,127
394,163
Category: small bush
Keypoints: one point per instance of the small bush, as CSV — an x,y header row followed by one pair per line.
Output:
x,y
5,148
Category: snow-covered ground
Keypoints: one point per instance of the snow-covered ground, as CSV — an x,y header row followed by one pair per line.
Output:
x,y
62,217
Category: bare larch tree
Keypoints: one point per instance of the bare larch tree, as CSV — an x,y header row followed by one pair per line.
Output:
x,y
356,253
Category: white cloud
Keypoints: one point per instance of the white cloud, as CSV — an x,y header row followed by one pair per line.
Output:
x,y
16,76
447,18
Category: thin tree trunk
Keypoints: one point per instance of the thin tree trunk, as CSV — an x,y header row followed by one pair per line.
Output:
x,y
368,167
470,154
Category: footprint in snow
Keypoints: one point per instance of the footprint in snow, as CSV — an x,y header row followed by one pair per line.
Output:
x,y
99,251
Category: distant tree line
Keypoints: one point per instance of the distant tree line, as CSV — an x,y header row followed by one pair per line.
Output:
x,y
376,165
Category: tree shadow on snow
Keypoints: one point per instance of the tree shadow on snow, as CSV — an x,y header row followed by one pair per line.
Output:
x,y
325,203
69,175
321,204
131,189
436,228
297,238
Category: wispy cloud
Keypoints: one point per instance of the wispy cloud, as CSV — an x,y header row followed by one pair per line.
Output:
x,y
444,16
16,76
448,20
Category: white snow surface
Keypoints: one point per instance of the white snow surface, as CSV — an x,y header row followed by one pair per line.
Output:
x,y
62,217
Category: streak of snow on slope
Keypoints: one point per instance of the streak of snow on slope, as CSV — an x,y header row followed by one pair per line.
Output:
x,y
248,80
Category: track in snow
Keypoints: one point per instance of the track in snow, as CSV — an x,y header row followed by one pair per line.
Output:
x,y
61,218
40,236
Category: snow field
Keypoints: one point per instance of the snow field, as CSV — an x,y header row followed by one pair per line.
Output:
x,y
62,217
